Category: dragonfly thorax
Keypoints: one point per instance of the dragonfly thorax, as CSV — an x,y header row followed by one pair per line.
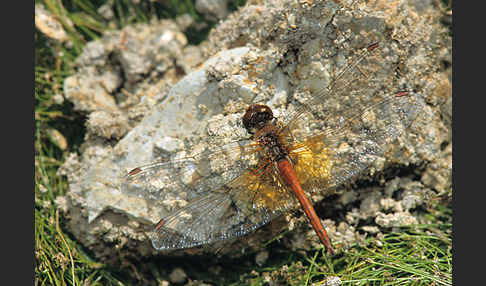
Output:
x,y
272,143
260,123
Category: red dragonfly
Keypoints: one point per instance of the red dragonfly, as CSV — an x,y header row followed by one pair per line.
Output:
x,y
230,190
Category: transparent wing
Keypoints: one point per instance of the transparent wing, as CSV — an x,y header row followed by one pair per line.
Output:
x,y
212,198
343,148
345,127
189,175
231,210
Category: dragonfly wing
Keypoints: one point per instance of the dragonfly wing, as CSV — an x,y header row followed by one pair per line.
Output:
x,y
231,210
346,126
198,223
189,175
342,146
210,199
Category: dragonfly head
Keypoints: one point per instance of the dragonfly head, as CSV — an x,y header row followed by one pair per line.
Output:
x,y
256,117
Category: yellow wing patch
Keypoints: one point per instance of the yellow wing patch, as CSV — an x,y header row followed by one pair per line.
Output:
x,y
264,188
313,163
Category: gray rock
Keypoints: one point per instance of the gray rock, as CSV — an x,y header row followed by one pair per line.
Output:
x,y
261,257
112,70
48,24
88,93
395,219
213,9
277,53
177,276
333,281
108,125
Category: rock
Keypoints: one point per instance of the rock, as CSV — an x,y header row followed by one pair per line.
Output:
x,y
184,21
278,53
333,281
113,71
57,138
177,276
108,125
370,229
213,9
261,257
48,24
88,93
370,205
395,219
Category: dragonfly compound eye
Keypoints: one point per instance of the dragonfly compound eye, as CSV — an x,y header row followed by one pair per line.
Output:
x,y
256,116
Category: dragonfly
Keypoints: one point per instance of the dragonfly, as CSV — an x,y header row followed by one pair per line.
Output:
x,y
229,190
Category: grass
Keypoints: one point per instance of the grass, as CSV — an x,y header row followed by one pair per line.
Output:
x,y
416,255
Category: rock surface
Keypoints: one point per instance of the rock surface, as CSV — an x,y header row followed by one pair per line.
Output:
x,y
145,79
